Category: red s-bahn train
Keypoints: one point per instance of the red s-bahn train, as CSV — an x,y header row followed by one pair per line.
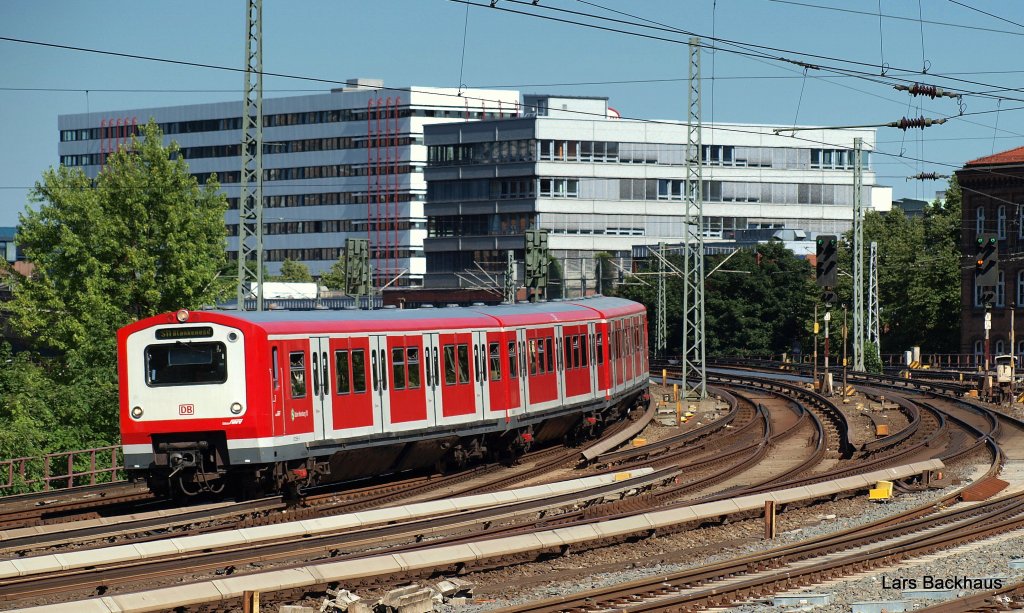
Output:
x,y
279,400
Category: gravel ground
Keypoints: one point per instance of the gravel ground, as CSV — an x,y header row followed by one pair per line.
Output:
x,y
989,559
494,591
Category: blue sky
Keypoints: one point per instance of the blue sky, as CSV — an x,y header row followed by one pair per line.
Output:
x,y
420,42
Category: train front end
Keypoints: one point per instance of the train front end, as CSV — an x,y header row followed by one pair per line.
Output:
x,y
183,397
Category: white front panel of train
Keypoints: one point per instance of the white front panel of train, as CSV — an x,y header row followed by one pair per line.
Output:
x,y
186,372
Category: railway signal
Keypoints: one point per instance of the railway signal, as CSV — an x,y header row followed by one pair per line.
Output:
x,y
827,257
829,298
536,263
986,267
357,266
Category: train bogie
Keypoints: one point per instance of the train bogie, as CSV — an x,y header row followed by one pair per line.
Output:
x,y
286,399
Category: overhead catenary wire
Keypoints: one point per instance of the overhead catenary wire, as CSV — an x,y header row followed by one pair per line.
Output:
x,y
330,81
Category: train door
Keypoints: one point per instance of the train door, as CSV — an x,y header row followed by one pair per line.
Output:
x,y
458,389
481,368
407,398
297,408
524,373
541,355
319,392
277,376
590,341
432,376
502,374
561,368
379,375
354,411
626,354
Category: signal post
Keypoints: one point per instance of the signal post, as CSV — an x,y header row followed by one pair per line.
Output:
x,y
826,267
986,278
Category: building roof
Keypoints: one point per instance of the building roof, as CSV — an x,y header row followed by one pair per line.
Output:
x,y
1012,156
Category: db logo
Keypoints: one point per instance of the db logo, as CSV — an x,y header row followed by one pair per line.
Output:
x,y
186,409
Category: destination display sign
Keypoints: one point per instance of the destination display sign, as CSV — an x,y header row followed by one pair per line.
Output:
x,y
164,334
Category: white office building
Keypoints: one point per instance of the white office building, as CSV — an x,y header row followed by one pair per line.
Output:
x,y
344,164
598,183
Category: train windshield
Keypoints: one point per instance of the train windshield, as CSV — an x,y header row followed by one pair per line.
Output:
x,y
184,363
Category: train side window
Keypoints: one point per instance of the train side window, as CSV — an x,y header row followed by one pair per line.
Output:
x,y
398,367
584,340
495,361
297,365
513,371
567,345
358,371
412,358
341,376
533,356
576,351
600,348
551,355
274,366
463,363
449,364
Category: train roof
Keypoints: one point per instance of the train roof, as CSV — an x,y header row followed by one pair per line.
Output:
x,y
298,322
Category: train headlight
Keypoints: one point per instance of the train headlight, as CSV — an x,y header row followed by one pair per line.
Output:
x,y
181,315
236,407
136,412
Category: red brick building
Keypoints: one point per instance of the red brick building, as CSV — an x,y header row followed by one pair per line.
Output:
x,y
993,205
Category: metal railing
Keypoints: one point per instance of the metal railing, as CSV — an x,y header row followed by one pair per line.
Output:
x,y
62,470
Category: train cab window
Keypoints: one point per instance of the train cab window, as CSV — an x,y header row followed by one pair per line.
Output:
x,y
184,363
600,348
297,366
513,370
341,379
358,371
551,355
412,361
398,368
463,363
533,350
495,358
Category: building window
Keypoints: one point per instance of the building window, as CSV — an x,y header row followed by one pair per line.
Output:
x,y
999,350
1001,221
979,349
1001,289
979,226
1020,288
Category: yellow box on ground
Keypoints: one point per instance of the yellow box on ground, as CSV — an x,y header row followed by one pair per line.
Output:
x,y
639,442
881,491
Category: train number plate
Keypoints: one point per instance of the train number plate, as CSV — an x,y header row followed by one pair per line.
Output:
x,y
186,409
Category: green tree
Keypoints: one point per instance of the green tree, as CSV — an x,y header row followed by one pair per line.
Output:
x,y
759,304
294,272
144,238
605,271
556,279
918,275
335,277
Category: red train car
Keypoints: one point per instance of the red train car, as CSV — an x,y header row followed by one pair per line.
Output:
x,y
284,399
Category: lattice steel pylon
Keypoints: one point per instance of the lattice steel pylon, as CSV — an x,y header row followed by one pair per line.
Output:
x,y
694,373
661,325
858,255
510,287
873,309
250,196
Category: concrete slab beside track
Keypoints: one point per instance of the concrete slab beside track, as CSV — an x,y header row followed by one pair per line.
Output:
x,y
228,538
234,587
